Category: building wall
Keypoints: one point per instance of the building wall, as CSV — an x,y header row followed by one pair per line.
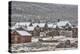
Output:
x,y
25,39
66,33
16,38
75,32
53,33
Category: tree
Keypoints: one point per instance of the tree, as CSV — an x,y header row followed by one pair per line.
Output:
x,y
57,28
74,26
67,25
69,28
46,27
58,20
31,24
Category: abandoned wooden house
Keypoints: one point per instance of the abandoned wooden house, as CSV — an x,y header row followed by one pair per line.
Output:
x,y
53,33
65,33
75,32
19,36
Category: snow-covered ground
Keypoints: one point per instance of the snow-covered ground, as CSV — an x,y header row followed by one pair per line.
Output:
x,y
36,45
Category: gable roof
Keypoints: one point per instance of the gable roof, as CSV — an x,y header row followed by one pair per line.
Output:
x,y
35,24
63,23
41,24
54,26
13,27
31,28
23,23
38,24
23,33
50,25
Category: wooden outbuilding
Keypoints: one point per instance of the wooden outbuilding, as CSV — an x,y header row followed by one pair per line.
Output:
x,y
20,36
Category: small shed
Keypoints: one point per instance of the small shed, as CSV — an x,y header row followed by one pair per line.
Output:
x,y
20,36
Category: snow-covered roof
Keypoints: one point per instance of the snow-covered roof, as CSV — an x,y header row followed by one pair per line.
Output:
x,y
50,25
41,24
31,28
23,33
54,26
63,23
22,23
35,24
13,27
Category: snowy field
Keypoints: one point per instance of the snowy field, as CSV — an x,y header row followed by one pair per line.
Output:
x,y
36,45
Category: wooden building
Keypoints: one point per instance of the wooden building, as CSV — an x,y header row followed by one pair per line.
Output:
x,y
75,32
66,33
20,36
53,33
